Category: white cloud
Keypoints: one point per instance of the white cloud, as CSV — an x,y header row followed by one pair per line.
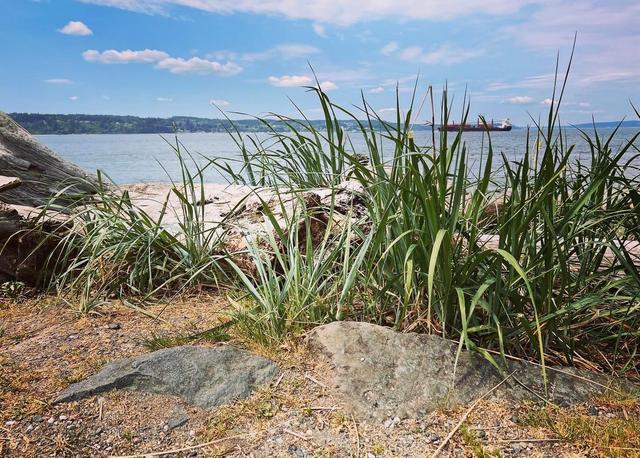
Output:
x,y
319,30
390,48
163,61
376,90
127,56
163,99
328,86
283,51
520,100
73,98
607,33
219,102
548,102
292,51
197,65
531,82
445,54
343,12
61,81
290,80
76,28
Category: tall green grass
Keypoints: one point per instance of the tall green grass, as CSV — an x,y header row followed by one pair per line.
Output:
x,y
116,249
533,257
550,275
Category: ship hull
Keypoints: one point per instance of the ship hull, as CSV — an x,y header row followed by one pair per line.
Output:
x,y
467,128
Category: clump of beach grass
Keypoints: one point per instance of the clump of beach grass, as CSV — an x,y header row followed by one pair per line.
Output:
x,y
550,274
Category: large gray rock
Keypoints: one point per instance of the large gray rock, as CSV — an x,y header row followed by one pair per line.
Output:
x,y
205,377
41,172
381,373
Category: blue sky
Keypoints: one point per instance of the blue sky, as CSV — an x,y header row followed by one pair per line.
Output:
x,y
175,57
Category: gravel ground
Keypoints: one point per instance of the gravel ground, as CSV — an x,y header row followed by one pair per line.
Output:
x,y
44,347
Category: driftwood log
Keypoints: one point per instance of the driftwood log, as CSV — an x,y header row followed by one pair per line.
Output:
x,y
41,172
31,175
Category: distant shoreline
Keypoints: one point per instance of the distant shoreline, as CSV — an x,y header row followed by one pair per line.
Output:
x,y
80,124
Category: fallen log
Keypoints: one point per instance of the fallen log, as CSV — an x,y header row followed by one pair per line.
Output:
x,y
42,174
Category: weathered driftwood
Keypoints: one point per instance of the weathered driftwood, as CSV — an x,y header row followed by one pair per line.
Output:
x,y
7,183
25,244
41,172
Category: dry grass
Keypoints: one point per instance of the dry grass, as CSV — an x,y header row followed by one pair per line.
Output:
x,y
293,412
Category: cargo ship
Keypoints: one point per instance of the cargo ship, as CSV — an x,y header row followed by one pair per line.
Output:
x,y
479,126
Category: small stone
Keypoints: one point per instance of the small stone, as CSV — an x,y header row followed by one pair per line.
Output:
x,y
593,411
482,434
113,326
36,418
72,336
518,447
10,423
174,423
370,455
434,437
63,417
51,420
192,433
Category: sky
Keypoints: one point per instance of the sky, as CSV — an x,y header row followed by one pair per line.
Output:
x,y
193,57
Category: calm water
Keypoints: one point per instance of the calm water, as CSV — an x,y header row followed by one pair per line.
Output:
x,y
138,157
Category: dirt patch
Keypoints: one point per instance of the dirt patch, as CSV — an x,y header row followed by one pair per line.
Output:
x,y
44,347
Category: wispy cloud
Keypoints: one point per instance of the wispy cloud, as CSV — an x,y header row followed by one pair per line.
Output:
x,y
319,30
73,98
283,51
376,90
390,48
59,81
163,61
447,54
199,66
607,32
219,103
343,12
520,100
164,99
530,82
76,28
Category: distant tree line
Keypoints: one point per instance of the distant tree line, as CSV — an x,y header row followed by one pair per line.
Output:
x,y
44,124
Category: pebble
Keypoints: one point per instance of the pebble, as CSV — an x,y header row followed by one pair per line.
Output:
x,y
518,447
177,422
63,417
434,437
36,418
370,455
51,420
114,326
593,411
10,423
391,422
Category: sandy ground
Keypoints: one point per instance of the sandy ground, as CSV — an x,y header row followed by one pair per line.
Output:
x,y
44,347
